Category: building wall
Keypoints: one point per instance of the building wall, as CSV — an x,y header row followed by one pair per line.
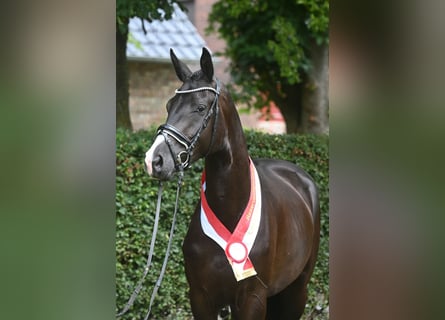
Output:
x,y
152,84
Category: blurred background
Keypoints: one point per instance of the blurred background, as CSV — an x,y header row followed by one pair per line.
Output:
x,y
273,56
57,130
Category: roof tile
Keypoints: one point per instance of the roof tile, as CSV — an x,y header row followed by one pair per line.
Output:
x,y
177,33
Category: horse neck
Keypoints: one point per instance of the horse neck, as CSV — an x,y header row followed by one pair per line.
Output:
x,y
228,170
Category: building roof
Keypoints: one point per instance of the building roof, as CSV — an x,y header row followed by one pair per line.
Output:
x,y
177,33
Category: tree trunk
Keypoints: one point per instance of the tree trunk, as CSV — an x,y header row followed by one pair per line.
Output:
x,y
122,87
315,104
290,105
304,106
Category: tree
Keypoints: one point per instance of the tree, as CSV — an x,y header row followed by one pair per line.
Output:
x,y
278,52
125,10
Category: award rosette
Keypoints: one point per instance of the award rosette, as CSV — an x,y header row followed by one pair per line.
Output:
x,y
236,245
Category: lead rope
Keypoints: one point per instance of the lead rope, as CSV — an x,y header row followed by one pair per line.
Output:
x,y
150,254
170,240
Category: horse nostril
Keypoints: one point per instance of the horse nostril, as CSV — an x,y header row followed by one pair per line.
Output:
x,y
157,163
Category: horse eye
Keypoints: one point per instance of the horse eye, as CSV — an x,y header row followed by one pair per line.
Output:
x,y
201,108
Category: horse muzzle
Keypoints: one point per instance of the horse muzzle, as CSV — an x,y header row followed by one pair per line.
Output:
x,y
158,162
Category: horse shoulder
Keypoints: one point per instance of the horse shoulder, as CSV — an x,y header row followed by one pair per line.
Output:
x,y
192,245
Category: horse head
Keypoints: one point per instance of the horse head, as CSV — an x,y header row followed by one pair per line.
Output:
x,y
189,132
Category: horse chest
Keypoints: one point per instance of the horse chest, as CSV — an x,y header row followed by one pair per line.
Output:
x,y
199,248
205,261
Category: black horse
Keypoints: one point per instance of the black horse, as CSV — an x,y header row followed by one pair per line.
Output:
x,y
253,240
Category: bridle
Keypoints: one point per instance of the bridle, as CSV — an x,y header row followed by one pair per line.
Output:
x,y
182,159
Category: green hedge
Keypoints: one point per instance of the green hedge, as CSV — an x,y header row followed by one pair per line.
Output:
x,y
136,196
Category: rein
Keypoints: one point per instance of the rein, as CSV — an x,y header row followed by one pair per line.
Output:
x,y
182,159
150,254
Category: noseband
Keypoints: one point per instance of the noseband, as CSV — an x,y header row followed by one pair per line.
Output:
x,y
182,159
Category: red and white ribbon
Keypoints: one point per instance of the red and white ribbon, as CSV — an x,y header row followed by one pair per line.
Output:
x,y
236,245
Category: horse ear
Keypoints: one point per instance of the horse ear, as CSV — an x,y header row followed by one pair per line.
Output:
x,y
207,64
181,69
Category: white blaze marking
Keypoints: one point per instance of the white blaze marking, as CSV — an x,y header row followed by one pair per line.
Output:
x,y
149,154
